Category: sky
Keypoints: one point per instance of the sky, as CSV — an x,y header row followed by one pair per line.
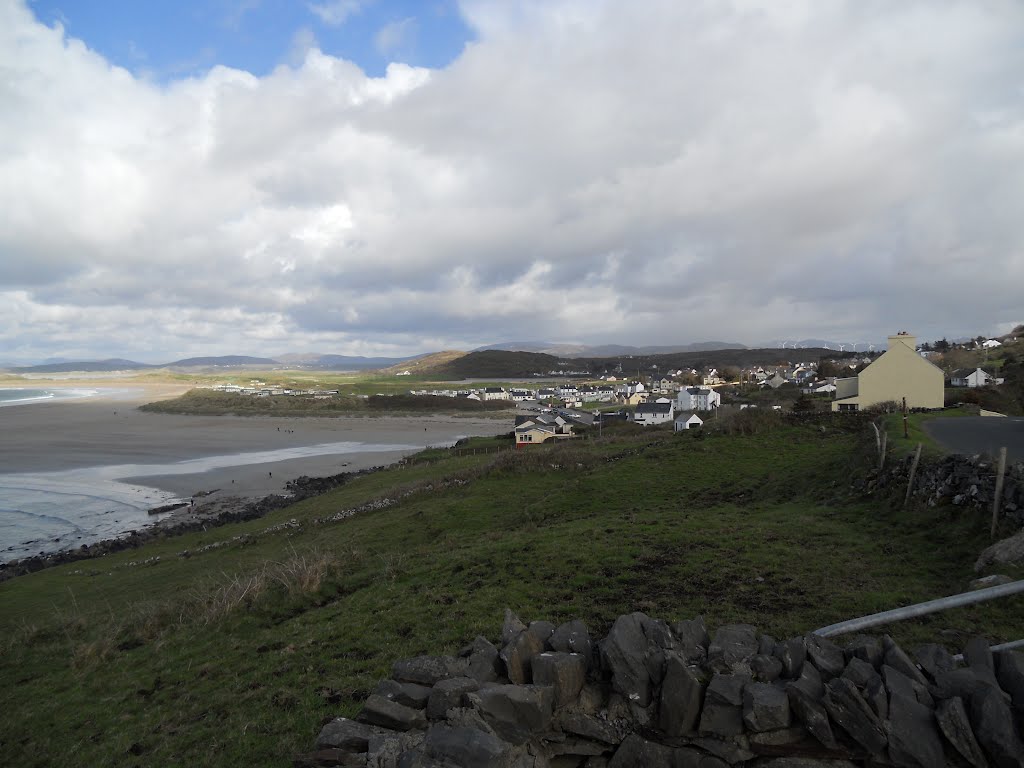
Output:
x,y
389,178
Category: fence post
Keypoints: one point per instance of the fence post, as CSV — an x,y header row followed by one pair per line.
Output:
x,y
1000,472
913,471
881,450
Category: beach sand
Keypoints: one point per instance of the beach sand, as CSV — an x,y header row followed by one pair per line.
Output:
x,y
108,429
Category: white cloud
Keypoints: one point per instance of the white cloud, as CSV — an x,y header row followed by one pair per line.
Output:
x,y
336,12
735,171
396,37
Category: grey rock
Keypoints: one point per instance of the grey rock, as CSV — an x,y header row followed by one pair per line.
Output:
x,y
994,580
577,747
511,627
914,739
957,682
469,748
518,654
765,668
809,711
659,641
378,710
805,762
728,752
572,637
896,658
955,725
329,756
692,639
765,707
732,643
636,751
722,714
515,712
1010,675
766,645
623,652
851,712
564,672
782,737
810,682
877,697
407,694
898,683
484,664
542,630
1006,552
682,694
592,697
792,653
388,749
933,659
995,729
347,735
589,727
826,656
978,655
447,694
859,672
867,648
427,670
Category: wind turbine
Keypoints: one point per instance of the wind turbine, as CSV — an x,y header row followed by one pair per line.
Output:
x,y
842,347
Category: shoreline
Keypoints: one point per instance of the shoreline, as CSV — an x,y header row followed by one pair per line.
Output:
x,y
186,518
89,443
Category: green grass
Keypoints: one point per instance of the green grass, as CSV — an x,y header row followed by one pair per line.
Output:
x,y
233,655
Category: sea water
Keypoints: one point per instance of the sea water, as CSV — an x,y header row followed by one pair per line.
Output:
x,y
42,512
24,396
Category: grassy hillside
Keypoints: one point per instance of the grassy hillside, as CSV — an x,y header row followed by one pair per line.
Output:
x,y
497,364
228,647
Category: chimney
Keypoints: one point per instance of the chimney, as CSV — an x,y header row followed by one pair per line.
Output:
x,y
903,338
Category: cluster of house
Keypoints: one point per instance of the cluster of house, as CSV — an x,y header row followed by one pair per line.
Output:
x,y
259,389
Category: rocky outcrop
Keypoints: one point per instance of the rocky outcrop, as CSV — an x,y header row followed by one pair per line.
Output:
x,y
651,694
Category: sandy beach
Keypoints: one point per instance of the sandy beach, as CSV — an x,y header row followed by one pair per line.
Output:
x,y
208,457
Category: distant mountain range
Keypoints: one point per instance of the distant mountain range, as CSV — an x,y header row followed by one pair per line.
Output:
x,y
605,350
314,361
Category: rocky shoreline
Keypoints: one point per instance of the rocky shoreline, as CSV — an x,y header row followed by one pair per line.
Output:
x,y
186,518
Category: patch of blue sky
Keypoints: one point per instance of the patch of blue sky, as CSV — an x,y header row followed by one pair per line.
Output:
x,y
168,39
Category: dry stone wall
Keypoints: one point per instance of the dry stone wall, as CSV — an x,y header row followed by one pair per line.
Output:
x,y
655,695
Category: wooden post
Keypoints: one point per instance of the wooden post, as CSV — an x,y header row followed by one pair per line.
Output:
x,y
881,450
906,434
1000,472
913,471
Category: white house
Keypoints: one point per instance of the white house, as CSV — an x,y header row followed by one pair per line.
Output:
x,y
991,344
697,399
687,421
965,377
648,414
496,393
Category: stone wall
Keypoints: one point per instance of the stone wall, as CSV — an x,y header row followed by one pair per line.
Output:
x,y
656,695
965,481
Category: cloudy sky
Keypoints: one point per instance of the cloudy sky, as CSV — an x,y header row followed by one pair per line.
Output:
x,y
380,177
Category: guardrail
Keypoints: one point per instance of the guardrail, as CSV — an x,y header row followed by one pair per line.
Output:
x,y
922,609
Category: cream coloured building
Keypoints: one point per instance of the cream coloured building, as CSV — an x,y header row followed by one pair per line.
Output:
x,y
899,373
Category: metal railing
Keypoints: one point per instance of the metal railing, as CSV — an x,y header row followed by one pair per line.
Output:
x,y
922,609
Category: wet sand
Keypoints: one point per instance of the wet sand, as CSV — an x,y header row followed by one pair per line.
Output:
x,y
108,429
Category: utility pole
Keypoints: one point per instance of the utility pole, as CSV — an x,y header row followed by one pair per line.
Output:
x,y
906,433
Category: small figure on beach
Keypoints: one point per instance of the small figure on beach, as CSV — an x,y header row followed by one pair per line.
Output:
x,y
270,474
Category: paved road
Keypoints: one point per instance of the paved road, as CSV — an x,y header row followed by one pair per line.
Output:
x,y
978,434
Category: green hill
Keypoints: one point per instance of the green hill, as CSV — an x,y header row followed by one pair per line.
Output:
x,y
228,647
497,364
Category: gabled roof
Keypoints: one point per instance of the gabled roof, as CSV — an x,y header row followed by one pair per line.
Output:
x,y
654,408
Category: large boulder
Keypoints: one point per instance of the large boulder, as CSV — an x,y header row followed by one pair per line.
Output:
x,y
809,711
914,739
825,655
448,694
955,724
732,644
995,729
851,712
682,694
484,663
564,672
427,670
471,748
347,735
572,637
691,639
1011,676
407,694
515,712
722,715
518,656
623,653
765,707
378,710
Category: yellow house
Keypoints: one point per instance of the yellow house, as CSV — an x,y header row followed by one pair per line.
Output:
x,y
899,373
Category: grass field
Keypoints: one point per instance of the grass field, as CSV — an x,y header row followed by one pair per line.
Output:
x,y
234,654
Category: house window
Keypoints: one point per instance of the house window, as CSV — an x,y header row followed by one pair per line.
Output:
x,y
847,406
